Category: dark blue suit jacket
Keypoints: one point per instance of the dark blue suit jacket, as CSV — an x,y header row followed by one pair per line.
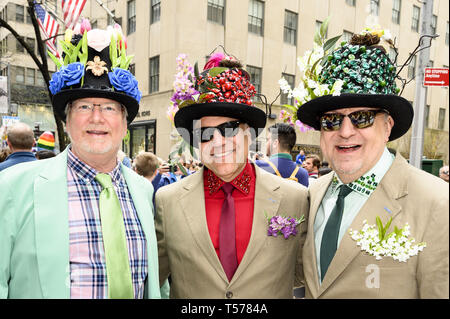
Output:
x,y
16,158
285,166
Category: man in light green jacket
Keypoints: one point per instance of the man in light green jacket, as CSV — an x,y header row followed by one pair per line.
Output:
x,y
80,225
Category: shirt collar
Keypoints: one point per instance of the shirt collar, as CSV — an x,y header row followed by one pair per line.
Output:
x,y
242,182
88,173
366,184
281,155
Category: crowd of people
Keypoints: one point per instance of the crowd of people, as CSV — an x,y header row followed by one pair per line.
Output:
x,y
83,224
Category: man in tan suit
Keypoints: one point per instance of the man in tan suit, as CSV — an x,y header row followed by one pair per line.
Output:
x,y
370,182
212,227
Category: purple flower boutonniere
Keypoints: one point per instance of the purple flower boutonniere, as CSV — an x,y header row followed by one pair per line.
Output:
x,y
286,226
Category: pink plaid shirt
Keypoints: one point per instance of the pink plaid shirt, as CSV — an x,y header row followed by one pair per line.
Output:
x,y
87,256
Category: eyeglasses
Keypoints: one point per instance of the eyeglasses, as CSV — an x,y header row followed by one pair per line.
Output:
x,y
360,119
206,134
106,109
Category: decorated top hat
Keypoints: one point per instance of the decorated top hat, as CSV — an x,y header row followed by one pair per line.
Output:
x,y
224,89
95,64
368,80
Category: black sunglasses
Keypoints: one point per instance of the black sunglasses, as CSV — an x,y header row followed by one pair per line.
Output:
x,y
206,134
360,119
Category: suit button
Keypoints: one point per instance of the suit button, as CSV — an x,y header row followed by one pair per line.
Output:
x,y
229,294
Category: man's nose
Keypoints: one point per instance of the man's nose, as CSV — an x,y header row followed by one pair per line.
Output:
x,y
347,128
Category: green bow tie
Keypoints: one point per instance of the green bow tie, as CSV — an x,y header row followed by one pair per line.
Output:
x,y
114,241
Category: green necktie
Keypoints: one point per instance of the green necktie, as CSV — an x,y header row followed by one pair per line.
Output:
x,y
330,235
116,252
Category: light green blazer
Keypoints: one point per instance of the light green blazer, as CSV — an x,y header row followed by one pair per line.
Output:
x,y
34,229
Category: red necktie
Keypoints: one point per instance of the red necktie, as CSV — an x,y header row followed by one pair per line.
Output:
x,y
227,233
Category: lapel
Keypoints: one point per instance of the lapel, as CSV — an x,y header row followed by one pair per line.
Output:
x,y
142,201
52,228
383,202
266,203
317,192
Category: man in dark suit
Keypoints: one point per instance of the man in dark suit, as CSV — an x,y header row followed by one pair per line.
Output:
x,y
20,141
280,141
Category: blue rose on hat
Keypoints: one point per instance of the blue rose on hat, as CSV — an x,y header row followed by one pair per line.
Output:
x,y
72,73
123,80
56,83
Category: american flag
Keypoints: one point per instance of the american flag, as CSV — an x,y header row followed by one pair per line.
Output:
x,y
49,27
72,10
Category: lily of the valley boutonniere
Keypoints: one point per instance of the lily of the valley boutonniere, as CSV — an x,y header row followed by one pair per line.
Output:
x,y
378,243
286,226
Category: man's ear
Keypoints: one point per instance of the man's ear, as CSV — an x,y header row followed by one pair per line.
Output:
x,y
389,125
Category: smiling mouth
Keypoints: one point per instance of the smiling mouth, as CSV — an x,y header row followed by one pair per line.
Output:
x,y
348,148
97,133
224,154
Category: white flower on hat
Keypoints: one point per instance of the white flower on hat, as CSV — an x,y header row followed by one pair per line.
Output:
x,y
98,39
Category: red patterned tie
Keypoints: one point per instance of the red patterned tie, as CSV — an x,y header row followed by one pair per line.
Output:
x,y
227,233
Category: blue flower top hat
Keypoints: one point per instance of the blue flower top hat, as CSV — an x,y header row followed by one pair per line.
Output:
x,y
94,64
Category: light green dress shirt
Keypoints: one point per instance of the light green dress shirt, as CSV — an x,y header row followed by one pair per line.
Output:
x,y
362,188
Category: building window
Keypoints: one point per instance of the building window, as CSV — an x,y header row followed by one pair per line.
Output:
x,y
29,80
415,19
441,118
351,2
131,16
20,13
28,17
155,11
216,11
39,79
19,47
347,36
412,68
374,7
392,54
255,78
142,138
318,24
31,43
427,115
290,27
154,74
433,24
20,74
284,96
396,11
256,17
132,69
109,19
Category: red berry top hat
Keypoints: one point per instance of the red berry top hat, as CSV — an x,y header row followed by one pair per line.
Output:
x,y
94,64
224,90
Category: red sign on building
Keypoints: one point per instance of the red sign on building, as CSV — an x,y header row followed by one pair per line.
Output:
x,y
436,77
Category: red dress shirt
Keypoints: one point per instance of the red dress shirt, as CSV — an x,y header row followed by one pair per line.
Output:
x,y
243,195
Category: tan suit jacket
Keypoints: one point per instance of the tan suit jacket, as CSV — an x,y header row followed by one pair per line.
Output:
x,y
412,196
270,264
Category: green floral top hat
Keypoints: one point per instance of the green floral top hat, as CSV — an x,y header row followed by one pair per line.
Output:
x,y
94,64
365,77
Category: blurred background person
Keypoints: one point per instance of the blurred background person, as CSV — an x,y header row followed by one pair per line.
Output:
x,y
43,154
280,141
300,157
46,141
4,153
20,141
312,164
